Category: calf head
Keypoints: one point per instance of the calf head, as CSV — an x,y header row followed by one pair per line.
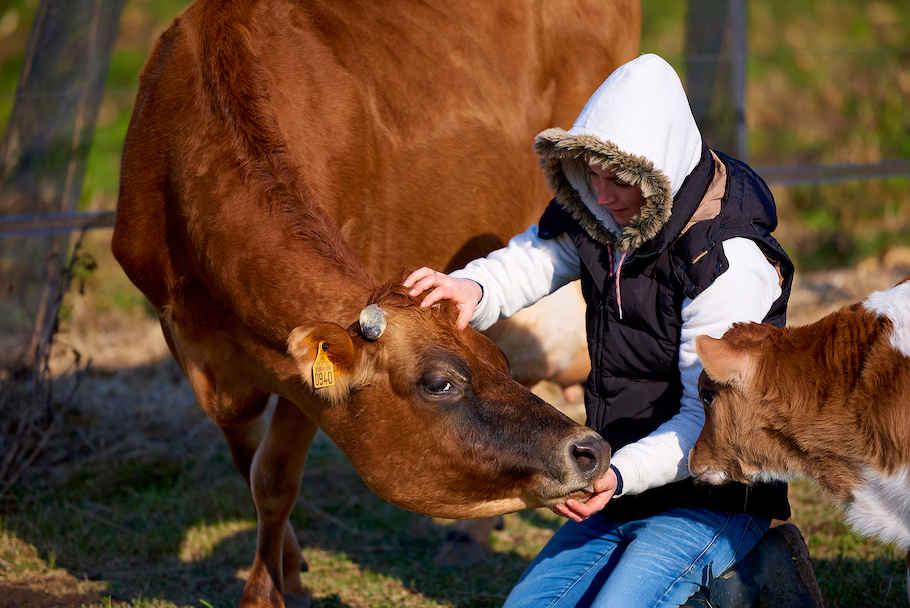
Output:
x,y
745,433
431,419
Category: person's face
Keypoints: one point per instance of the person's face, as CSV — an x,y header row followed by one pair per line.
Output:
x,y
623,200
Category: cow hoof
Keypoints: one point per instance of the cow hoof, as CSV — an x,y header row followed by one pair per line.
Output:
x,y
468,542
459,549
298,600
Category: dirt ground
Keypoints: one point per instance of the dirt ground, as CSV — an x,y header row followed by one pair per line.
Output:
x,y
130,365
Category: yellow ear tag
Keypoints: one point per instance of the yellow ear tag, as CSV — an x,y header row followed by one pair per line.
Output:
x,y
323,369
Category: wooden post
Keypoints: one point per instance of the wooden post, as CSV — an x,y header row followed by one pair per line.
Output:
x,y
42,161
715,62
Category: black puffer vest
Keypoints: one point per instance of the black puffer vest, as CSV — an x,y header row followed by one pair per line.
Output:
x,y
634,385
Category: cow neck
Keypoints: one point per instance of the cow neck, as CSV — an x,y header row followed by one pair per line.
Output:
x,y
342,290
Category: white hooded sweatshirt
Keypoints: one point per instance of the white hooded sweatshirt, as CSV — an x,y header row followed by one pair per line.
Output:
x,y
639,124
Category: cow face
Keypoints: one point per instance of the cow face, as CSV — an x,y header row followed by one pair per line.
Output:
x,y
742,439
432,421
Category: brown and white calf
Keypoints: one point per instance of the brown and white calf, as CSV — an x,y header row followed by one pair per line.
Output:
x,y
829,401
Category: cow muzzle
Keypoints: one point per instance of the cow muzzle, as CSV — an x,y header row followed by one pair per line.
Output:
x,y
585,458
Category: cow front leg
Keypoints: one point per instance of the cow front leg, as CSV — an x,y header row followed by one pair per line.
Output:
x,y
292,563
244,440
274,483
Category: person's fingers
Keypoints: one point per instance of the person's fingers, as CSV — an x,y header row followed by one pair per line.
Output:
x,y
428,281
594,504
563,511
423,280
464,317
580,511
417,275
439,293
568,511
439,286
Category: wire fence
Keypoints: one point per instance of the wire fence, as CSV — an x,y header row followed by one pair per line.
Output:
x,y
43,158
44,150
715,61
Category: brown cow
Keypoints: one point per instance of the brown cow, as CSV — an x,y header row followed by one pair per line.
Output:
x,y
283,158
829,401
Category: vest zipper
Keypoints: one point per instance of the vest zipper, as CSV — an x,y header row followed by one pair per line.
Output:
x,y
615,270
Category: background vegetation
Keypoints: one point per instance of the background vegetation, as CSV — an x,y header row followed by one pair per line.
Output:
x,y
827,83
167,522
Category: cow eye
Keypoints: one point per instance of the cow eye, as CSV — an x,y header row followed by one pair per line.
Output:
x,y
707,396
440,388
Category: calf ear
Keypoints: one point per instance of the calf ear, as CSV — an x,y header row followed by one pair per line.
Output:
x,y
724,362
337,354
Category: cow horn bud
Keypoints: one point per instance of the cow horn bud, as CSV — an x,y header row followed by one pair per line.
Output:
x,y
372,322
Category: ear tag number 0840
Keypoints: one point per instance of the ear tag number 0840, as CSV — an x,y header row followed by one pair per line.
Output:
x,y
323,369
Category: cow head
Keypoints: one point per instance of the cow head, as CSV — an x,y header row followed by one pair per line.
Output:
x,y
744,438
431,419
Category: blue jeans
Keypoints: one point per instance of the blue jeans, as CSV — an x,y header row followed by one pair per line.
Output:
x,y
654,562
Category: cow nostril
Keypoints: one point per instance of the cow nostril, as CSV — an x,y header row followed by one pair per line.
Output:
x,y
584,457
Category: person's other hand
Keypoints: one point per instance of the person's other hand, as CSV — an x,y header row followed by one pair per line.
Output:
x,y
465,293
604,488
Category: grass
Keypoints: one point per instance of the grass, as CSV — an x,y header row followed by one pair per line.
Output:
x,y
853,572
181,531
157,530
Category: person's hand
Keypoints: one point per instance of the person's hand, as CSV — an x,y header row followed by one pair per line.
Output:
x,y
465,293
604,488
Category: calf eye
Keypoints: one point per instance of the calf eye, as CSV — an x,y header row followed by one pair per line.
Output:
x,y
707,396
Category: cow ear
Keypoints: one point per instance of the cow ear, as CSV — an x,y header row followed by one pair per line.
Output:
x,y
326,357
724,361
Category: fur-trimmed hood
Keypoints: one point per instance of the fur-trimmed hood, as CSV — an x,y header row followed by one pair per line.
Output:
x,y
638,123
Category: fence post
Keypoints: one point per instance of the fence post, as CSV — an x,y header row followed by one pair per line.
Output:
x,y
715,62
43,157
